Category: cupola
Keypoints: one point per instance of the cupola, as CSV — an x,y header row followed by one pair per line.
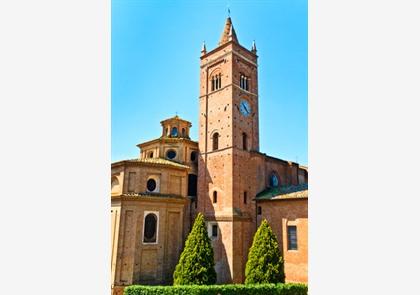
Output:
x,y
176,127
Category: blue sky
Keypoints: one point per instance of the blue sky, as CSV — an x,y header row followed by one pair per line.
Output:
x,y
155,68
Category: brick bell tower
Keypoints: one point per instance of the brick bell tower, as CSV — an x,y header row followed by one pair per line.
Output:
x,y
228,135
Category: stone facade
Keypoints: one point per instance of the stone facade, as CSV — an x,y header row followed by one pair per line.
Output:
x,y
223,175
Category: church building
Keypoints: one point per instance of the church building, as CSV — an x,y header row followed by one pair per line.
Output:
x,y
156,196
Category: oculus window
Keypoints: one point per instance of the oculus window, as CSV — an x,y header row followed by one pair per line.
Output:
x,y
151,185
171,154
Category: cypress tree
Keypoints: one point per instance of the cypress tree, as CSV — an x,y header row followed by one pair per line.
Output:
x,y
265,264
196,263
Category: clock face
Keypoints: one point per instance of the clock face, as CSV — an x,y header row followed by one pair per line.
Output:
x,y
245,108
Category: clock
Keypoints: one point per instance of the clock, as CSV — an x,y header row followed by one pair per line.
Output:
x,y
245,108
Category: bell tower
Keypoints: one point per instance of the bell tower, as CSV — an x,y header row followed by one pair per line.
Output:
x,y
229,134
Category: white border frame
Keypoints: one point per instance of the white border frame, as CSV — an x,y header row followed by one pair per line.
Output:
x,y
209,230
145,213
156,178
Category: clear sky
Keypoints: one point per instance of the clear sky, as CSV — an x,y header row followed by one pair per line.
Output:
x,y
155,68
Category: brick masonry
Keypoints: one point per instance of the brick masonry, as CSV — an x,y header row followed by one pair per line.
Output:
x,y
236,173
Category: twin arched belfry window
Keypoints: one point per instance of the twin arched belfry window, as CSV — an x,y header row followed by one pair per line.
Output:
x,y
216,82
244,82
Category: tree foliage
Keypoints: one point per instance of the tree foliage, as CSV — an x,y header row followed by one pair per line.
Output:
x,y
265,264
196,263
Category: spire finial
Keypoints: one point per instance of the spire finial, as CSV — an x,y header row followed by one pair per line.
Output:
x,y
254,47
203,48
228,33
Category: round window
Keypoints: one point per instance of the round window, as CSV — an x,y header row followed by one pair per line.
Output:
x,y
151,185
171,154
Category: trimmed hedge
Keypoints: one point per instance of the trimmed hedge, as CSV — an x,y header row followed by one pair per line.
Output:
x,y
234,289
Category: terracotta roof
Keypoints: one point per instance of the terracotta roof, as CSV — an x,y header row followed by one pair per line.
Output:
x,y
281,160
156,161
284,192
176,118
167,139
228,33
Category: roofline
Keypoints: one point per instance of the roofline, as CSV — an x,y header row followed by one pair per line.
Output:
x,y
135,162
280,199
140,145
225,45
149,198
177,119
281,160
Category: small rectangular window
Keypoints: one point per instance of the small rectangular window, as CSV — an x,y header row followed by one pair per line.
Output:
x,y
245,197
259,210
291,237
214,230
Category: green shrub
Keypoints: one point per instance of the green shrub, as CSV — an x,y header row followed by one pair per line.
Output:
x,y
265,264
196,263
258,289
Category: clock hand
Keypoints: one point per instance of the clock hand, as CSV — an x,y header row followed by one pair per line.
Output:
x,y
246,108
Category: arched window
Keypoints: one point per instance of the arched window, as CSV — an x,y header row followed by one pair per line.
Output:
x,y
244,141
215,197
115,185
150,228
174,131
193,156
215,141
216,82
274,181
150,155
244,82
